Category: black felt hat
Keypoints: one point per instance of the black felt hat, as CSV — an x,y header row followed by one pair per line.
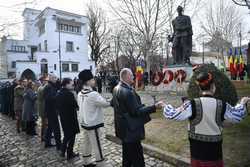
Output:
x,y
85,75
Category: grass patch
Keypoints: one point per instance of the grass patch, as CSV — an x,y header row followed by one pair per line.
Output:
x,y
167,135
244,90
236,144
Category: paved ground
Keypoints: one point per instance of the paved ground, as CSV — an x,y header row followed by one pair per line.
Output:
x,y
24,151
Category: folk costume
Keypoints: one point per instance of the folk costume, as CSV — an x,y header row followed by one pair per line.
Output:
x,y
206,115
91,119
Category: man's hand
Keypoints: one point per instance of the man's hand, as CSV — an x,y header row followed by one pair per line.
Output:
x,y
159,105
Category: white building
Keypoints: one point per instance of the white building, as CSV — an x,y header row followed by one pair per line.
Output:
x,y
3,60
49,35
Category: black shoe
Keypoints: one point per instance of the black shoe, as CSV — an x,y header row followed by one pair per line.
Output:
x,y
90,165
72,155
58,148
49,145
62,154
33,134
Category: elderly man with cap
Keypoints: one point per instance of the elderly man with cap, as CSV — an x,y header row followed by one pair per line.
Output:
x,y
49,93
92,118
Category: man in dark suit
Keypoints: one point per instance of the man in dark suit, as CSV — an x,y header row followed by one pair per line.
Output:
x,y
50,92
130,117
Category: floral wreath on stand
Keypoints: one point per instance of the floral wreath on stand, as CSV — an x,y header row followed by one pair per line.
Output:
x,y
157,78
180,76
168,77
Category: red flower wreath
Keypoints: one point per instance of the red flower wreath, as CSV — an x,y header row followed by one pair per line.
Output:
x,y
168,77
157,78
180,76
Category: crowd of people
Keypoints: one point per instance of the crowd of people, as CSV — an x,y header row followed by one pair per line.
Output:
x,y
77,106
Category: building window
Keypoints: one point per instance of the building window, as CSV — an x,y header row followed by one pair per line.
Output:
x,y
69,46
45,45
13,64
44,66
54,66
77,29
17,48
74,67
65,27
69,28
65,67
39,47
41,29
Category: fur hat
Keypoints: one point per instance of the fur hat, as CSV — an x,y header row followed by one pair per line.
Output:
x,y
85,75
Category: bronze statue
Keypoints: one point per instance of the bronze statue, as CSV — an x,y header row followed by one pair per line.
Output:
x,y
181,38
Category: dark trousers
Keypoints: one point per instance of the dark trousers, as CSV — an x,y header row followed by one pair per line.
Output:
x,y
132,155
44,125
30,127
53,127
68,143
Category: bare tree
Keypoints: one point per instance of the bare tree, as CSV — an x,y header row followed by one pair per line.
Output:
x,y
116,46
98,32
221,25
143,16
130,45
242,3
221,22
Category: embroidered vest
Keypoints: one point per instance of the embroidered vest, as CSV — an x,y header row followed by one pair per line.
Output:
x,y
207,124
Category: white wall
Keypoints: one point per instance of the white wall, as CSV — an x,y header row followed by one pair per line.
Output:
x,y
31,33
14,56
29,23
3,59
22,66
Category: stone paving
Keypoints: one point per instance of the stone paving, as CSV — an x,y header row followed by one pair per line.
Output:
x,y
20,150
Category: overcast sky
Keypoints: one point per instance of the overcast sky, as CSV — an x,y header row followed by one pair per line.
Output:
x,y
11,10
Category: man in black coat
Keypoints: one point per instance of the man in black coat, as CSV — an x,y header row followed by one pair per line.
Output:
x,y
130,117
67,107
50,92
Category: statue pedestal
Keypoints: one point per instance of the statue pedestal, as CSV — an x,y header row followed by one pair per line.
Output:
x,y
174,79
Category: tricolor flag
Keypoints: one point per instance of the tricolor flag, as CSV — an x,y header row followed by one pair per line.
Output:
x,y
139,73
231,64
241,68
236,59
230,52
